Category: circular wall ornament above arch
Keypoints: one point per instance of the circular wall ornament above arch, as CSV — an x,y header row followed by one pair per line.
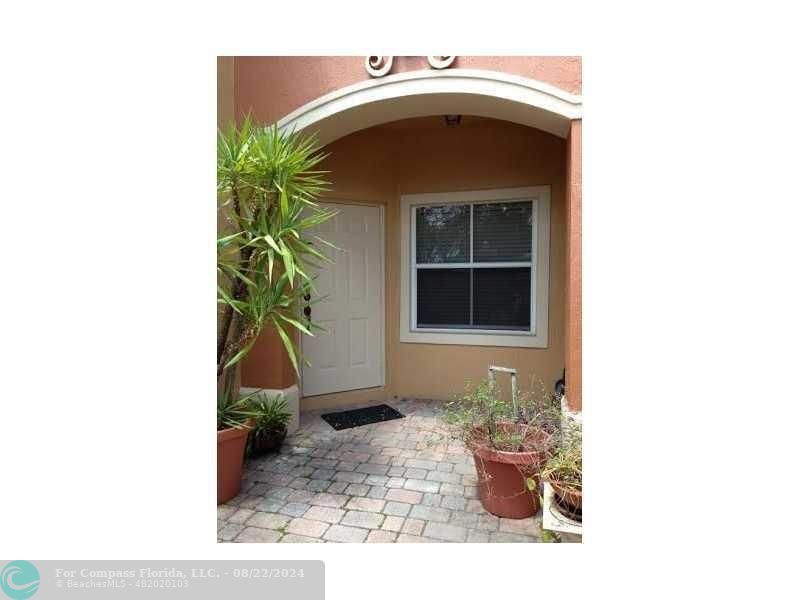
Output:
x,y
440,62
378,66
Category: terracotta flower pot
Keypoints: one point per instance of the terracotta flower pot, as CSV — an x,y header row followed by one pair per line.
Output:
x,y
502,480
230,458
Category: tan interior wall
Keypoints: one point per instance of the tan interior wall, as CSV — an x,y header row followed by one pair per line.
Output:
x,y
377,165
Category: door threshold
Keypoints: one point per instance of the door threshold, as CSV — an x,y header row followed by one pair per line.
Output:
x,y
347,391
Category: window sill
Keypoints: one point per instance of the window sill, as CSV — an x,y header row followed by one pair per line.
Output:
x,y
516,340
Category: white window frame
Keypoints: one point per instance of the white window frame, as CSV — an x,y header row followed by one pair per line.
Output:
x,y
539,196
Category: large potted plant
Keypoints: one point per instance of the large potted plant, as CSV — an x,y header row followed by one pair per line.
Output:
x,y
267,186
510,440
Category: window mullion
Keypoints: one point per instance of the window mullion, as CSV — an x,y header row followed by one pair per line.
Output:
x,y
471,233
471,260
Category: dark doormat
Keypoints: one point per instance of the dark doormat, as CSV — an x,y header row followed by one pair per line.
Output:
x,y
361,416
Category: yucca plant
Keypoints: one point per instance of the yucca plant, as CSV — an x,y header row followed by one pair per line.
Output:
x,y
269,424
234,412
267,188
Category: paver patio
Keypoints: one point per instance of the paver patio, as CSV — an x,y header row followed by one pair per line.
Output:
x,y
396,481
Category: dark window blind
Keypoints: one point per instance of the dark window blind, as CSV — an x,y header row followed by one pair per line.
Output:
x,y
496,298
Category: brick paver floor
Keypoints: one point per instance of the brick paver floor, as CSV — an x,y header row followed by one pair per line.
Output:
x,y
396,481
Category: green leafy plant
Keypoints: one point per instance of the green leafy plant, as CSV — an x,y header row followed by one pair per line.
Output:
x,y
267,186
272,414
482,417
565,465
233,411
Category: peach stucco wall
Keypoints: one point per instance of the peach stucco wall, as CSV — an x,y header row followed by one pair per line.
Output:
x,y
272,87
377,165
226,86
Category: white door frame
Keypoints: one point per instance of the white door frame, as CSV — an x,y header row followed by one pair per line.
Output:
x,y
381,292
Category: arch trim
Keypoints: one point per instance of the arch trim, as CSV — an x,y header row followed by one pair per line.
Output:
x,y
554,107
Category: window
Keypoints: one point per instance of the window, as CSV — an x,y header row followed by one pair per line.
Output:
x,y
475,269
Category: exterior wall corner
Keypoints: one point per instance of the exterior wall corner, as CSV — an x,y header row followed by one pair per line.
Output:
x,y
574,316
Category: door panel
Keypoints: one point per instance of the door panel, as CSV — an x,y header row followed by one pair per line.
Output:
x,y
349,355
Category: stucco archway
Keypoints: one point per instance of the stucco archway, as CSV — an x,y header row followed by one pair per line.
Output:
x,y
423,93
481,93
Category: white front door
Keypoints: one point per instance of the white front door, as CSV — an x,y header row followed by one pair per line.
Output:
x,y
349,355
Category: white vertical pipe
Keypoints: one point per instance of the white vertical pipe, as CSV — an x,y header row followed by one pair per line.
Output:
x,y
513,372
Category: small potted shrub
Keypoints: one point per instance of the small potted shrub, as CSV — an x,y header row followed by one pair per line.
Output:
x,y
269,424
234,421
564,472
510,442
